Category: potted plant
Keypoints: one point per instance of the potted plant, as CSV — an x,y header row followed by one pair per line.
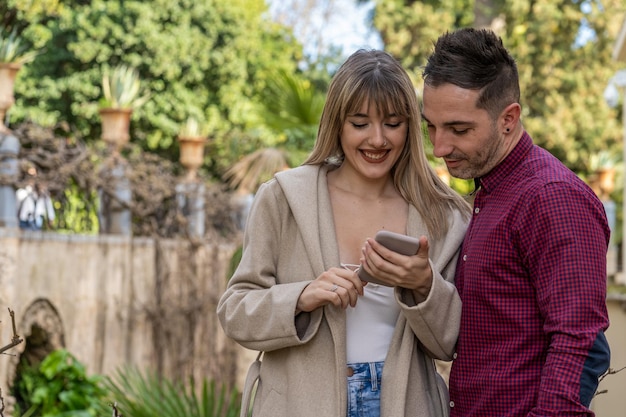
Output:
x,y
192,138
603,167
121,88
13,54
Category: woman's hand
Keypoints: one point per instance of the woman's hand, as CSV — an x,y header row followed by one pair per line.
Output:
x,y
338,286
412,272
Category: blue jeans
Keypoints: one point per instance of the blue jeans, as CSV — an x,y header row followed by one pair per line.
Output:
x,y
29,225
364,389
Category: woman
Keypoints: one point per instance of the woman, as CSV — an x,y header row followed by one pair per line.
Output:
x,y
334,345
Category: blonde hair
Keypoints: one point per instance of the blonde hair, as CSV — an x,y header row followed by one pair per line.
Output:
x,y
375,76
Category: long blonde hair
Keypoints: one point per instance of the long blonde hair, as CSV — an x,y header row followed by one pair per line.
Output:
x,y
375,76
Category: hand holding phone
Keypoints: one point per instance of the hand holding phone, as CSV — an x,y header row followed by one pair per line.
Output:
x,y
403,244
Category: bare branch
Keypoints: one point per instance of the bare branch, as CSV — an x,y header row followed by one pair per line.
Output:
x,y
15,340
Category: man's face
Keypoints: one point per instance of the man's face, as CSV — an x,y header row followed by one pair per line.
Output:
x,y
463,135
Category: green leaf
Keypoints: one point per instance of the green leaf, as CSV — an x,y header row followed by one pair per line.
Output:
x,y
140,395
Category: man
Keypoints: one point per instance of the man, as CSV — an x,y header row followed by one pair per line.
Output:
x,y
532,271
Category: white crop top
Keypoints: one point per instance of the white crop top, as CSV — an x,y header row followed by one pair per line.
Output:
x,y
370,324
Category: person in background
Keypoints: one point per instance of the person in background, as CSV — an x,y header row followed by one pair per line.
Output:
x,y
334,345
35,209
532,269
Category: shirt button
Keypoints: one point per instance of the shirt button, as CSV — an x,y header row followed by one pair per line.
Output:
x,y
451,404
477,210
464,257
454,355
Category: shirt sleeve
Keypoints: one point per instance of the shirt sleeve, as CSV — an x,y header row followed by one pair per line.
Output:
x,y
564,236
436,320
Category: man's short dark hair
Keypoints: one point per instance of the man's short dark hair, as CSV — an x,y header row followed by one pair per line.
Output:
x,y
475,59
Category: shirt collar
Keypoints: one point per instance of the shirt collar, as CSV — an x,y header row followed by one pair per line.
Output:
x,y
490,181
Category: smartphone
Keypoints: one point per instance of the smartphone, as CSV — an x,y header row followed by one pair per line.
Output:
x,y
403,244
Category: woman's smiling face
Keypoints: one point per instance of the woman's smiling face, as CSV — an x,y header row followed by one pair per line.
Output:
x,y
372,142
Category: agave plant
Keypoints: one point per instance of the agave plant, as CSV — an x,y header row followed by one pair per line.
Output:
x,y
13,51
122,88
192,128
145,395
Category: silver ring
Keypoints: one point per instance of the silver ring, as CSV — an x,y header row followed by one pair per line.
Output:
x,y
334,288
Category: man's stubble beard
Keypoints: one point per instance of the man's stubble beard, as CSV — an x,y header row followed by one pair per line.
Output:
x,y
481,163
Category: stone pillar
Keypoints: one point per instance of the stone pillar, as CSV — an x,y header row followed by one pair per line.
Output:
x,y
611,214
190,198
113,213
9,170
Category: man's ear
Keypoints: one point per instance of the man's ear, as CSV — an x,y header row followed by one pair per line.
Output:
x,y
510,116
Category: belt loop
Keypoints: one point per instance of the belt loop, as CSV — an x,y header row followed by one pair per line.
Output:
x,y
373,376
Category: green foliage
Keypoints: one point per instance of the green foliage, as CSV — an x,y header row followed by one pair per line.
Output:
x,y
59,386
211,59
78,213
563,107
122,88
409,28
147,395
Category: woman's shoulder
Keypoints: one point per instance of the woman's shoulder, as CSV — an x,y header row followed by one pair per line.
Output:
x,y
301,177
293,180
300,172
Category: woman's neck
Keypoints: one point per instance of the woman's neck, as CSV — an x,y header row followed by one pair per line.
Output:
x,y
366,188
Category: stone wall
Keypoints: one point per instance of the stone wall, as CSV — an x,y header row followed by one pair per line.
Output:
x,y
114,301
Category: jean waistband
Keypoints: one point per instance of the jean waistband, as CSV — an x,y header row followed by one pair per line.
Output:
x,y
366,370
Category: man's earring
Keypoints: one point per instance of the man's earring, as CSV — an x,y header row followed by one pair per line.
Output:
x,y
508,130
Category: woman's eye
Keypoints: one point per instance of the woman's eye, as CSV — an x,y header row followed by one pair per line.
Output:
x,y
394,125
359,125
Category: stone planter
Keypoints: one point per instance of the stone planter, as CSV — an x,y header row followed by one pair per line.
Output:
x,y
606,180
603,182
191,153
115,126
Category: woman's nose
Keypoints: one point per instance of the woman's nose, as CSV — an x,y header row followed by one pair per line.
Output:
x,y
377,138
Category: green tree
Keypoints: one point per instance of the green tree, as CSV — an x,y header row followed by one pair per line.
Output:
x,y
562,72
209,60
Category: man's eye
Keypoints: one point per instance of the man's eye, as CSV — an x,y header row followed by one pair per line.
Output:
x,y
460,131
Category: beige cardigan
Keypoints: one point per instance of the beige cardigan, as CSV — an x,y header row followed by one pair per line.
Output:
x,y
289,241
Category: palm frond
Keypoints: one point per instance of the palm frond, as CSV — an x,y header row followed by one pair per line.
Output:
x,y
254,169
146,395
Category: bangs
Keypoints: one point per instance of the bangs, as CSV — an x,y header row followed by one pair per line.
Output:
x,y
386,95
